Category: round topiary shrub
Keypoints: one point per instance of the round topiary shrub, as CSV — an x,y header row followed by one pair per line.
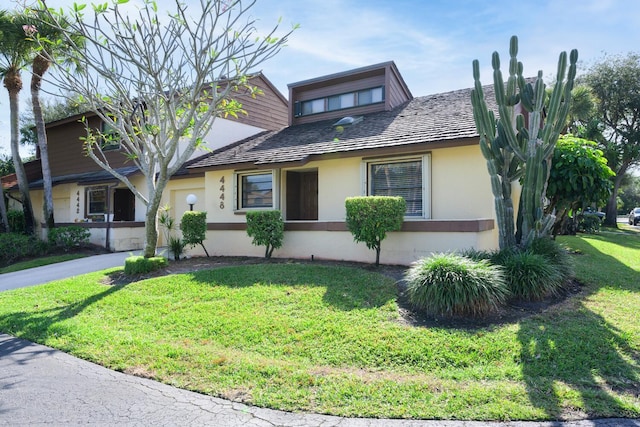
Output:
x,y
450,284
531,276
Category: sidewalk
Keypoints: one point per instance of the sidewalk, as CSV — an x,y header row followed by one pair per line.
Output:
x,y
40,385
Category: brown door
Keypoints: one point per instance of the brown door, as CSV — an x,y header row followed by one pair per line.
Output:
x,y
302,195
124,205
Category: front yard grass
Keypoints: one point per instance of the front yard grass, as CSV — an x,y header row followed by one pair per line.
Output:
x,y
39,262
330,339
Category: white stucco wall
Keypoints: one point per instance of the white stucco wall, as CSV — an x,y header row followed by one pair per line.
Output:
x,y
459,189
222,132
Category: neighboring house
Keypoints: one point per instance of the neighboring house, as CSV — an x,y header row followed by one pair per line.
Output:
x,y
86,195
359,132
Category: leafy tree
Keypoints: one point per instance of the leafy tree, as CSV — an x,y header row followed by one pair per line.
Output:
x,y
629,193
579,177
160,80
6,165
370,218
616,86
15,51
52,109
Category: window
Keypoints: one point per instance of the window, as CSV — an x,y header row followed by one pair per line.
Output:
x,y
370,96
313,107
110,138
341,101
401,177
255,190
96,201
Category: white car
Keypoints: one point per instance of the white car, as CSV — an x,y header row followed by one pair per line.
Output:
x,y
634,216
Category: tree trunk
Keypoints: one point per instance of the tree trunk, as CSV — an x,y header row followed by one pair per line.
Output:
x,y
40,66
4,221
13,83
151,228
151,217
611,218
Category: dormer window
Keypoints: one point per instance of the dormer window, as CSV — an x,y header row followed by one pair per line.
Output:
x,y
339,102
110,138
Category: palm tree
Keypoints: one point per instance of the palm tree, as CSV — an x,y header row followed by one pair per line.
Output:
x,y
42,59
15,51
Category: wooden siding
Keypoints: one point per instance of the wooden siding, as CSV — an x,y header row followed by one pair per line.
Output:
x,y
66,153
268,111
396,92
424,226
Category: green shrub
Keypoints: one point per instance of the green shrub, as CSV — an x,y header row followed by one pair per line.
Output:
x,y
15,246
478,255
557,254
194,228
68,237
176,246
530,276
370,218
138,264
450,284
589,223
267,229
17,224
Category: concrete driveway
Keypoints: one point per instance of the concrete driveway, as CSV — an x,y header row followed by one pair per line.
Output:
x,y
62,270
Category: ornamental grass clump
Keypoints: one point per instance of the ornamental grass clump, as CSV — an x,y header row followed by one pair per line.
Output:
x,y
556,253
450,284
531,276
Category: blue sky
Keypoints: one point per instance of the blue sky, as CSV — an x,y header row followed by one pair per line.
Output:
x,y
433,42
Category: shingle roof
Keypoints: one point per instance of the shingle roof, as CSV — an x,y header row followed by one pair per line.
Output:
x,y
423,120
87,178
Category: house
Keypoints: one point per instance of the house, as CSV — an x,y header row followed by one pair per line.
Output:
x,y
86,195
358,132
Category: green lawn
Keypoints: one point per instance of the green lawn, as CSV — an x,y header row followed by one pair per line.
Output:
x,y
38,262
329,340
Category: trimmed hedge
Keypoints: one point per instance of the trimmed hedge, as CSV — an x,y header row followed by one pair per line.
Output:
x,y
138,264
369,219
267,229
194,228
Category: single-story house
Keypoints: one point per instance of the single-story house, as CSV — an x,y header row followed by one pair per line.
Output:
x,y
358,132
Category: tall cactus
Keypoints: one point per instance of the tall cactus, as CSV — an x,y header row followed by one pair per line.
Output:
x,y
520,143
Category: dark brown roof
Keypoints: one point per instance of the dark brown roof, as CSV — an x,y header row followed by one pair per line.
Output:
x,y
424,120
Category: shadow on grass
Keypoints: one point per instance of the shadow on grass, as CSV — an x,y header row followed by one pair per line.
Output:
x,y
38,325
575,362
577,357
346,288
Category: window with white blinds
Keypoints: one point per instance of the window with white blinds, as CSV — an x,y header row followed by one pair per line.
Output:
x,y
403,177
